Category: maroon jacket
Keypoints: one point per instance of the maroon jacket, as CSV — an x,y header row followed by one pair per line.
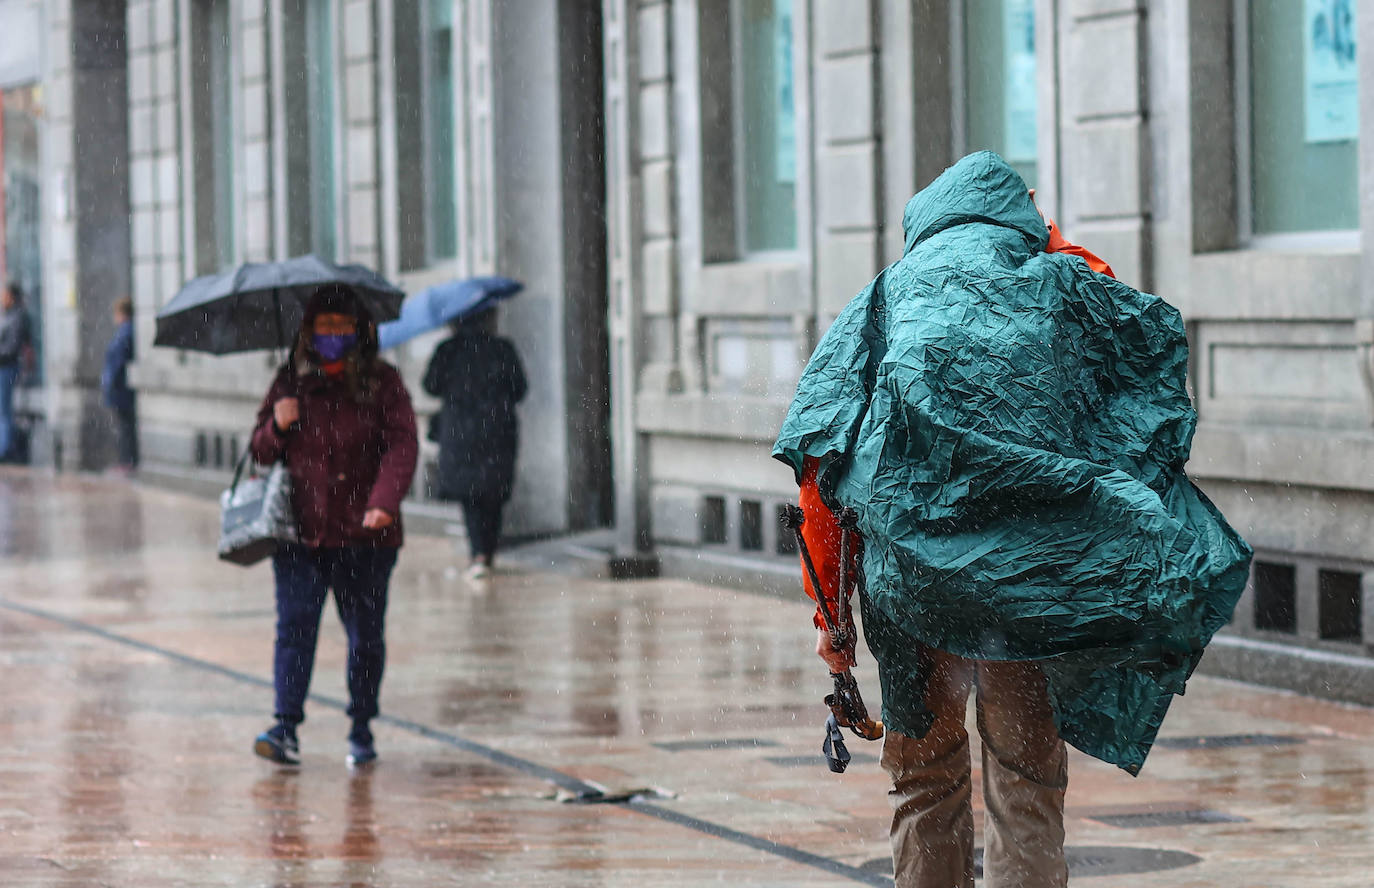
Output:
x,y
344,457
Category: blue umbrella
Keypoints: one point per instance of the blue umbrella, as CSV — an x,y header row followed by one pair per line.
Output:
x,y
436,306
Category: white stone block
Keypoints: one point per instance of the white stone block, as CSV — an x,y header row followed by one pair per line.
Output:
x,y
169,232
362,156
253,101
362,220
360,100
168,180
170,278
141,182
654,133
168,127
257,229
253,51
1102,169
843,26
845,264
165,74
658,199
845,187
140,129
1102,55
357,29
653,43
138,20
844,107
145,281
140,78
659,278
144,235
164,22
256,166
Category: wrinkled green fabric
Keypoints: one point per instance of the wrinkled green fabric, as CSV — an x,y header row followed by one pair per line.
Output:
x,y
1011,428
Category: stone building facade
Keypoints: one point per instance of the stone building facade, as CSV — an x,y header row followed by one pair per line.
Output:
x,y
430,140
1211,151
693,189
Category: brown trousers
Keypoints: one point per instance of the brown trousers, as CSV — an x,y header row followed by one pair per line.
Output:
x,y
1025,773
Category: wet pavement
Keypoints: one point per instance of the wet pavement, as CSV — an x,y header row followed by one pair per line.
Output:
x,y
137,671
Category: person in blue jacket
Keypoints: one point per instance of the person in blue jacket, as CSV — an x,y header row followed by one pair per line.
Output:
x,y
115,392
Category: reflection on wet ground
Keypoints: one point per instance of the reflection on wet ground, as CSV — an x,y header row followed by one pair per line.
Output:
x,y
137,672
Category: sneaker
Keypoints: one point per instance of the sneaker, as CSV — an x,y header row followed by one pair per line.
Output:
x,y
361,753
478,571
361,750
278,744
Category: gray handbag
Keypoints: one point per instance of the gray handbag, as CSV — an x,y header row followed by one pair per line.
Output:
x,y
256,514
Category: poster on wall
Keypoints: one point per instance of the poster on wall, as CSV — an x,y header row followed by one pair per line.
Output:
x,y
786,148
1330,79
1019,106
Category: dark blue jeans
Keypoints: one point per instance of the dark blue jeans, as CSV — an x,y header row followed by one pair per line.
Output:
x,y
9,375
359,577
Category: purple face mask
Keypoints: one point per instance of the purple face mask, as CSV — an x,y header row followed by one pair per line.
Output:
x,y
333,347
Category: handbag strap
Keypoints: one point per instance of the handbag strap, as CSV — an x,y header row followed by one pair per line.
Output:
x,y
238,470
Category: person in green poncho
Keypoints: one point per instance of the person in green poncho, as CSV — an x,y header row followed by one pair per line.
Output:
x,y
1010,424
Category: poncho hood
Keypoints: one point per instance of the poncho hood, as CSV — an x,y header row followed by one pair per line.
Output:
x,y
981,188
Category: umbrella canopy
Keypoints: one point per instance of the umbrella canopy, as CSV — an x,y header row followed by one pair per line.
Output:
x,y
438,305
260,305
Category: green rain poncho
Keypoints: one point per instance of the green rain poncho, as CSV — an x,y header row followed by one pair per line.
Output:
x,y
1011,428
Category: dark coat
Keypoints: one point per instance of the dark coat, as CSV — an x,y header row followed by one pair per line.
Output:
x,y
345,457
479,379
114,379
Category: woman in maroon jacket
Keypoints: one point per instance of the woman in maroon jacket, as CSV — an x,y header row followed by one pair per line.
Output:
x,y
342,420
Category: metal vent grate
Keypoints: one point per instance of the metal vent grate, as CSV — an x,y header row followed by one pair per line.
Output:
x,y
1228,741
807,761
716,744
1147,819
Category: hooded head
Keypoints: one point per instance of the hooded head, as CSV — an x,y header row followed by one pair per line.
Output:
x,y
980,188
358,357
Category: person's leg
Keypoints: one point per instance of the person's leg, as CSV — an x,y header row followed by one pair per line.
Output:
x,y
491,528
932,821
360,591
127,435
472,523
8,375
301,592
1025,775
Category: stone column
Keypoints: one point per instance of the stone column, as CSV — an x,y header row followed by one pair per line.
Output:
x,y
1104,181
849,200
625,230
358,102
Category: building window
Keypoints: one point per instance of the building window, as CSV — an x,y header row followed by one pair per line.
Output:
x,y
21,175
426,133
999,77
1303,116
441,227
766,125
212,136
320,78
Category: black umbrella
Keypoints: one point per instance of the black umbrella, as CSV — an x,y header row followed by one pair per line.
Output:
x,y
259,305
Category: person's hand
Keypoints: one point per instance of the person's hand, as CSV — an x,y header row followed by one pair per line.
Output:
x,y
286,413
835,661
378,519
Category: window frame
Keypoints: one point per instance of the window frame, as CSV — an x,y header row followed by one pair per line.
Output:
x,y
192,15
1315,241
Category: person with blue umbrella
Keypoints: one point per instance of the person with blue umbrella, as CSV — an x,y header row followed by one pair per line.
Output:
x,y
478,377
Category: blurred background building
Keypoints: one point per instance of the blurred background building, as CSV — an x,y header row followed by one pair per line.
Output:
x,y
692,189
